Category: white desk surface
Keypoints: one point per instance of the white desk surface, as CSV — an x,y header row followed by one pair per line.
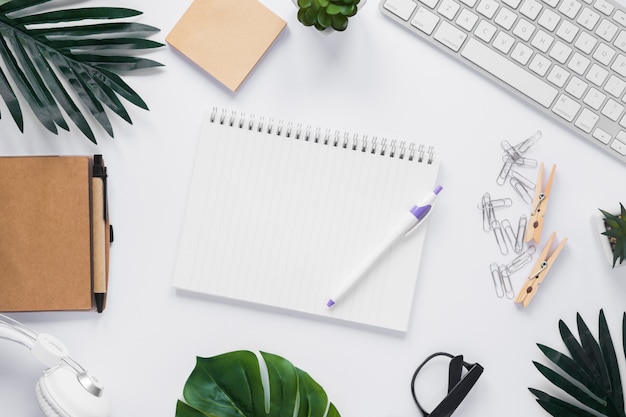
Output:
x,y
374,78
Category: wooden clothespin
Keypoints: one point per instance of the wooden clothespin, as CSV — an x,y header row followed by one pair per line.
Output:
x,y
539,206
543,265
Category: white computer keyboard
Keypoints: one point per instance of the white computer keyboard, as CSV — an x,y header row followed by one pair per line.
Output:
x,y
567,57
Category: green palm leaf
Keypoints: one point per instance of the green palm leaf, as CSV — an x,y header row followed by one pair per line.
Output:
x,y
61,66
590,375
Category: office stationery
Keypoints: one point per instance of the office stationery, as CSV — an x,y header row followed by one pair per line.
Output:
x,y
568,61
226,38
409,221
46,225
459,385
540,270
279,212
99,224
539,205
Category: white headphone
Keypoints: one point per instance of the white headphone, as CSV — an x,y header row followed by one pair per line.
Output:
x,y
65,389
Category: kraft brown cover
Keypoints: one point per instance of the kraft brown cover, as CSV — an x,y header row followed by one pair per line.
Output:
x,y
45,236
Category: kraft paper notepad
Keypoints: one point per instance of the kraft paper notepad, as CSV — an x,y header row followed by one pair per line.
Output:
x,y
279,213
226,38
45,233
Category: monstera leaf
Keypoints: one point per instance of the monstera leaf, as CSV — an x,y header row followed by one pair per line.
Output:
x,y
244,384
55,57
590,375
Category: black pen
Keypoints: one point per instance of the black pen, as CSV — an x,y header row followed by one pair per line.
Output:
x,y
99,221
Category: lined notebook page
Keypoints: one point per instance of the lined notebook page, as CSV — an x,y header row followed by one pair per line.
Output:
x,y
278,215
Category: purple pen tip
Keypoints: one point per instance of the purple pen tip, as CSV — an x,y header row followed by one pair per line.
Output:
x,y
330,303
437,189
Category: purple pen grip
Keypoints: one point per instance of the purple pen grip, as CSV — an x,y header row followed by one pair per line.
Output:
x,y
420,212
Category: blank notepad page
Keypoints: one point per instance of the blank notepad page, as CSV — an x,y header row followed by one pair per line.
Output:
x,y
279,214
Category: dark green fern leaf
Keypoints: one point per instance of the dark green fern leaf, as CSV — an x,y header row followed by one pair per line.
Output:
x,y
590,375
62,64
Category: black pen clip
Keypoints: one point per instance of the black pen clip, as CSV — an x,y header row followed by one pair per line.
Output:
x,y
100,171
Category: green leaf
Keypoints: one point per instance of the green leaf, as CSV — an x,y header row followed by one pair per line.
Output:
x,y
568,365
55,67
612,367
591,377
573,390
234,385
559,408
9,97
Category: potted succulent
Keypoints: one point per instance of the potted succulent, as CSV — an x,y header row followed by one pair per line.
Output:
x,y
326,14
612,228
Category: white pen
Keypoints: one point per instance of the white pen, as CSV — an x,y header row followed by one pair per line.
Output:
x,y
412,218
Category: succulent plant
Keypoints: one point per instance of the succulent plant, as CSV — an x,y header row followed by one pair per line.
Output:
x,y
323,14
616,232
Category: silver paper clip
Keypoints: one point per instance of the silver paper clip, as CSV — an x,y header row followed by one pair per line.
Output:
x,y
522,190
497,232
521,260
526,144
501,281
508,231
498,202
505,280
488,213
521,231
497,279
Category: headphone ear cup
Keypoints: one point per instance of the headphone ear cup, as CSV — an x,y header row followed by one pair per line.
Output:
x,y
60,394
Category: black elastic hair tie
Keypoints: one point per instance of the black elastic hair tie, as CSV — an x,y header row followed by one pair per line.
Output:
x,y
458,386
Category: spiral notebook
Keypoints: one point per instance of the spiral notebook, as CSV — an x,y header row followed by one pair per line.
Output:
x,y
279,213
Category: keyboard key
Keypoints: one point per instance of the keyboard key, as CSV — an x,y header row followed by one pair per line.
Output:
x,y
560,52
602,136
425,20
505,18
558,76
448,8
401,8
524,29
613,110
587,120
487,8
604,54
619,65
467,19
576,87
607,30
585,42
510,73
604,7
578,63
549,20
542,41
570,8
619,146
566,108
567,31
620,17
521,53
597,74
594,98
503,42
450,36
588,18
615,86
620,42
540,65
485,31
513,4
530,9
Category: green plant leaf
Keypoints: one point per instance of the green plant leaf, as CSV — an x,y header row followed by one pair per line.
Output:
x,y
558,408
55,60
591,376
233,385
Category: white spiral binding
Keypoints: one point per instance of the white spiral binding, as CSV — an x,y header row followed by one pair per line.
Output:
x,y
336,139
